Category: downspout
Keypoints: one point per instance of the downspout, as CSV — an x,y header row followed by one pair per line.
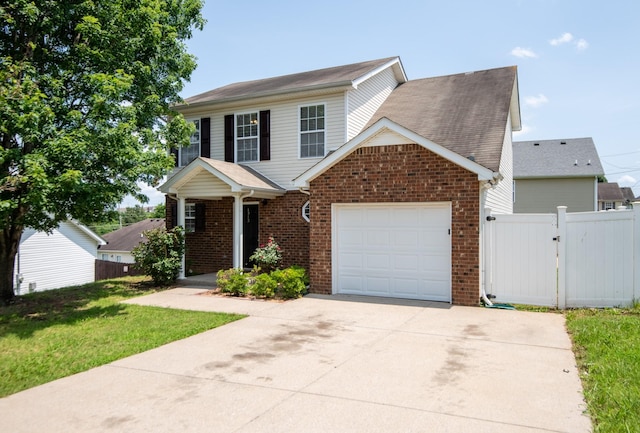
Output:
x,y
484,218
304,191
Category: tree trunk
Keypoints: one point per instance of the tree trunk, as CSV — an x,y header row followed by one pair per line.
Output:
x,y
9,243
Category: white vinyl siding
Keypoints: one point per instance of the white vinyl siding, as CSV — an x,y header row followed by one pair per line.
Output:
x,y
285,163
363,102
500,198
64,258
204,185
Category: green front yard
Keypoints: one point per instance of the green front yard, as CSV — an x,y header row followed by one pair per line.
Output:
x,y
607,347
53,334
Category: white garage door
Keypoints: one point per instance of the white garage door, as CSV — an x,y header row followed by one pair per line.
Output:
x,y
394,250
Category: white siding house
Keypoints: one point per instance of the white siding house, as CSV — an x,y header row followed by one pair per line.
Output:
x,y
65,257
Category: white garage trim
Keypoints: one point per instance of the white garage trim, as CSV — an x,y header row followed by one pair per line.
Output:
x,y
400,250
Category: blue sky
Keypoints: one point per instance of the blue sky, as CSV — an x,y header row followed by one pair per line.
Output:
x,y
578,61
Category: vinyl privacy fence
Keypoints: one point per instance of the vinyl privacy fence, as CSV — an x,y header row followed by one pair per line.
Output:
x,y
586,259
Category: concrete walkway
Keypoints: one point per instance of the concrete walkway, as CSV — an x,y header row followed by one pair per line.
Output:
x,y
326,364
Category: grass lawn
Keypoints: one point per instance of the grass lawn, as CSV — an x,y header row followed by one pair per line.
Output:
x,y
48,335
607,347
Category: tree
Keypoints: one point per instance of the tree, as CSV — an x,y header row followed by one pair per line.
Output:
x,y
86,89
132,215
159,211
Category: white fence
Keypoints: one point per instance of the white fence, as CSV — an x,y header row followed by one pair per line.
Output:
x,y
586,259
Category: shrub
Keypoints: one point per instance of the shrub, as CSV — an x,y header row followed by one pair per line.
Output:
x,y
267,256
291,282
161,256
233,281
264,286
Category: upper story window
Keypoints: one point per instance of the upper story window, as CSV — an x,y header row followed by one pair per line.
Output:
x,y
188,154
312,131
247,137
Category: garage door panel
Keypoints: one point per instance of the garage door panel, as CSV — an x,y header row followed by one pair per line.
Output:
x,y
397,250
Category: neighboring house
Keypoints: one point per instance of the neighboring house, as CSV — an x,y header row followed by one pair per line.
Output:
x,y
552,173
64,257
610,196
376,184
120,242
628,195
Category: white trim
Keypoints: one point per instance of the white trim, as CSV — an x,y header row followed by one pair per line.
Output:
x,y
385,125
86,230
324,130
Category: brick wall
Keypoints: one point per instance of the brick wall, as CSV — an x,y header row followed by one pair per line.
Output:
x,y
282,219
401,173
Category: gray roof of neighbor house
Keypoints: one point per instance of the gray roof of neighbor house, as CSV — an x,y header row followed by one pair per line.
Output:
x,y
609,192
572,157
322,78
466,113
627,194
126,238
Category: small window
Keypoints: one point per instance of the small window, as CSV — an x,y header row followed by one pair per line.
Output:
x,y
306,211
312,131
118,259
190,217
608,205
247,137
188,154
104,256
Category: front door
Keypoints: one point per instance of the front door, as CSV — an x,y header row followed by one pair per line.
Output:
x,y
250,232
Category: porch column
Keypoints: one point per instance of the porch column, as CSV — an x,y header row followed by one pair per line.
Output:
x,y
237,231
181,213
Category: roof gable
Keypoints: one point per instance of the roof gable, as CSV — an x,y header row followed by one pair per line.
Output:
x,y
347,76
575,157
385,132
609,192
465,113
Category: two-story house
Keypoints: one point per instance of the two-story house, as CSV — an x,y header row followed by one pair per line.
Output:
x,y
374,183
552,173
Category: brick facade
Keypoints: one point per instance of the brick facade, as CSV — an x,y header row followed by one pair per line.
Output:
x,y
396,174
210,250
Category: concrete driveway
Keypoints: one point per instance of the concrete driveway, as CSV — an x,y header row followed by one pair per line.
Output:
x,y
326,364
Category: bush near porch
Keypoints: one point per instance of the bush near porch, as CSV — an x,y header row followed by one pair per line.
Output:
x,y
289,283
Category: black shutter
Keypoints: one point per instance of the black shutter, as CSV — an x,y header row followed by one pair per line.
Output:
x,y
174,151
228,138
174,215
265,135
205,137
200,217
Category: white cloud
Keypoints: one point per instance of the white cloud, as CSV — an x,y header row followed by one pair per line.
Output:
x,y
566,37
523,53
626,180
536,101
155,197
582,45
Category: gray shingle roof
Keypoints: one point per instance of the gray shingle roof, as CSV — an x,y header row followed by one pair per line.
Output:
x,y
466,113
126,238
573,157
628,194
327,77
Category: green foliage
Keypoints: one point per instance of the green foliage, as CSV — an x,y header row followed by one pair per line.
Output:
x,y
161,256
233,281
86,90
291,282
286,283
86,326
132,215
159,211
268,256
264,286
607,347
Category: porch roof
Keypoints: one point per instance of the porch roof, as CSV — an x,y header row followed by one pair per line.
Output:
x,y
207,178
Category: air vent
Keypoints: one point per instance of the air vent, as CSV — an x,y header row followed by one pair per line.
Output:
x,y
536,144
563,142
